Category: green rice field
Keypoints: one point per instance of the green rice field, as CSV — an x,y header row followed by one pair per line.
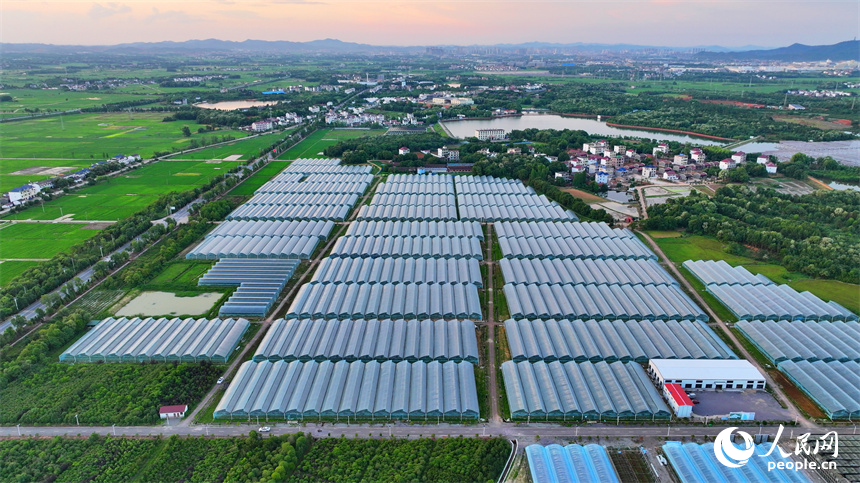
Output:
x,y
313,145
10,269
247,148
41,240
97,136
117,198
61,100
252,183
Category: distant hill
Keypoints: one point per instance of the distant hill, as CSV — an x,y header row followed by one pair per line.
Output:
x,y
848,50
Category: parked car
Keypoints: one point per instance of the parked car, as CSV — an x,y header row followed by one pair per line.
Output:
x,y
695,401
264,429
220,380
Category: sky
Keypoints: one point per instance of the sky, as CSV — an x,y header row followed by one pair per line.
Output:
x,y
681,23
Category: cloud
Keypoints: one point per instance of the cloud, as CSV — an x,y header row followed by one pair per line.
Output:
x,y
171,16
99,11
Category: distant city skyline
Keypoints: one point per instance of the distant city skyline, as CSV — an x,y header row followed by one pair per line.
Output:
x,y
420,22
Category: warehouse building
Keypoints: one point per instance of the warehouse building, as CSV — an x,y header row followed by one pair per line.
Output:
x,y
707,374
572,463
679,401
158,340
695,463
581,391
346,391
367,340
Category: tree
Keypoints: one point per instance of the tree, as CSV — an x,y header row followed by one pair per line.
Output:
x,y
186,131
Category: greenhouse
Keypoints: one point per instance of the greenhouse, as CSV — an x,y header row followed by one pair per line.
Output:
x,y
721,273
804,340
576,271
777,302
459,229
407,213
404,199
291,212
414,188
509,212
320,229
492,199
406,246
613,340
260,283
421,179
581,391
572,463
398,271
316,187
158,340
302,199
534,229
623,302
342,390
490,185
325,166
289,247
593,248
695,463
834,386
368,340
388,301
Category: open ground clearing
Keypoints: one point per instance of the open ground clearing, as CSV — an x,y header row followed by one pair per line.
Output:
x,y
151,304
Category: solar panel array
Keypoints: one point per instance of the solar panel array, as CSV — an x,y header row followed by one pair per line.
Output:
x,y
354,390
804,340
754,297
367,340
484,198
158,340
587,390
695,463
572,463
259,281
835,386
612,340
398,271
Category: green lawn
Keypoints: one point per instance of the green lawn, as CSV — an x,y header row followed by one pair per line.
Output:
x,y
97,136
117,198
694,247
31,170
11,269
248,148
40,240
313,145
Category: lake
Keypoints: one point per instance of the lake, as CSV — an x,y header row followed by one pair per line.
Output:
x,y
846,152
464,129
233,105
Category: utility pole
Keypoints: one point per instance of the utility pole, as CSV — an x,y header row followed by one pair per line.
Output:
x,y
76,420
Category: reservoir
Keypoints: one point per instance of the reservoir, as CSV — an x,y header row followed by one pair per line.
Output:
x,y
464,129
233,105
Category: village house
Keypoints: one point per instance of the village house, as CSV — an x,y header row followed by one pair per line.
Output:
x,y
763,159
739,157
727,164
24,193
770,167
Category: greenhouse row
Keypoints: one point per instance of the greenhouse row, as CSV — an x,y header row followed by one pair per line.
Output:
x,y
400,199
834,386
509,212
283,177
776,302
490,184
407,213
415,188
367,340
651,302
522,199
319,229
377,301
158,340
570,464
695,463
339,178
576,271
406,246
290,212
460,229
260,283
721,273
292,247
318,187
581,391
303,199
420,179
593,248
352,390
325,166
305,162
804,341
542,229
612,340
398,271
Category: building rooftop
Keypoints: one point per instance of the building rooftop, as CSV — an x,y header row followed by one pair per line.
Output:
x,y
686,369
177,408
678,394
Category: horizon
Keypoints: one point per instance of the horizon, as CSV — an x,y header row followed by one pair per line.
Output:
x,y
417,23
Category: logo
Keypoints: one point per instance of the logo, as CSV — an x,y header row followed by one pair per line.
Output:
x,y
730,455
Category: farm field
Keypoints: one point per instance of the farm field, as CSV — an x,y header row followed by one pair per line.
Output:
x,y
16,172
247,148
694,247
10,269
41,240
61,100
316,143
252,183
117,198
97,136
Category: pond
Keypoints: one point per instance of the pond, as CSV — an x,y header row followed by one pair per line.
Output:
x,y
843,186
619,196
464,129
166,303
233,105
